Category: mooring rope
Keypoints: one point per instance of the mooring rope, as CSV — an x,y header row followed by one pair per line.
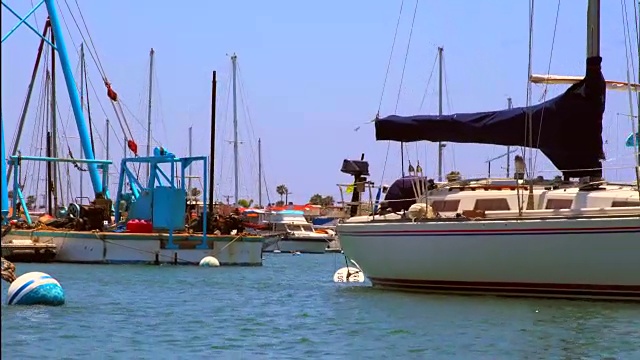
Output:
x,y
229,243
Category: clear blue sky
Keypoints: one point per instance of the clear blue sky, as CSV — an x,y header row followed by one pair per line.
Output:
x,y
313,71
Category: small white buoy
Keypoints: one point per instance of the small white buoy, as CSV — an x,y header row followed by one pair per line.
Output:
x,y
35,288
296,253
348,274
209,261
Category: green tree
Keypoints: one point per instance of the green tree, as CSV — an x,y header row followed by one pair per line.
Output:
x,y
316,199
245,203
327,201
282,190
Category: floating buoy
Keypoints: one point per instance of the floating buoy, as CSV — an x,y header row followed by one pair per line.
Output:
x,y
296,253
209,261
35,288
348,274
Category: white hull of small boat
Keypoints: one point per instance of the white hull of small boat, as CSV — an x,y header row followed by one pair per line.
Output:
x,y
303,245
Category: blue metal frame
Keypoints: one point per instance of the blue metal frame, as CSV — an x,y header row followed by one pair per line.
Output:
x,y
16,161
24,21
74,96
154,180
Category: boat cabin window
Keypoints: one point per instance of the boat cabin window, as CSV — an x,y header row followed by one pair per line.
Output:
x,y
445,205
625,203
558,204
299,227
279,227
492,204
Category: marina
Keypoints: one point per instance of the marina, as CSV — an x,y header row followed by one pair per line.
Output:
x,y
91,233
247,183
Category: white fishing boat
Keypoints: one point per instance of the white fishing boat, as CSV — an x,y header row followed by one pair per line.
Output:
x,y
509,237
292,233
96,232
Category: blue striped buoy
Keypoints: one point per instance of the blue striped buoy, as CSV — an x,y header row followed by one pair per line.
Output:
x,y
35,288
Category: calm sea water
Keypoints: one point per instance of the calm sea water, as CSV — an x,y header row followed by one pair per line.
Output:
x,y
291,309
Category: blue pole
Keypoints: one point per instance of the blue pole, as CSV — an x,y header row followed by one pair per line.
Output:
x,y
3,182
74,97
377,203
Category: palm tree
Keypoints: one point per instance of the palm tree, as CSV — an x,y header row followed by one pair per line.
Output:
x,y
282,190
245,203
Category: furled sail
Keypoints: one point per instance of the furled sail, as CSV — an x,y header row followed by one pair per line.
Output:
x,y
567,128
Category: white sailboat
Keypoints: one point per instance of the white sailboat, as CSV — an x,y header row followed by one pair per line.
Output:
x,y
505,237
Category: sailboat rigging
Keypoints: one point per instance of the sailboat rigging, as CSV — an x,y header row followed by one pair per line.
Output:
x,y
473,236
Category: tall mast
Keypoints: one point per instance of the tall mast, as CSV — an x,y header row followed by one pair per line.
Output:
x,y
509,106
528,118
440,144
106,176
54,128
212,161
259,172
149,110
234,59
593,28
593,32
23,116
82,84
190,155
49,177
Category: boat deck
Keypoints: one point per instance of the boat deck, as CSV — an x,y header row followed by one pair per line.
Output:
x,y
29,251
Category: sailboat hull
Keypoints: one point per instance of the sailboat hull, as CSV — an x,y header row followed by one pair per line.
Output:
x,y
550,258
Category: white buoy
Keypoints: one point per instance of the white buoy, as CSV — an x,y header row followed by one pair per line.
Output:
x,y
348,274
35,288
209,261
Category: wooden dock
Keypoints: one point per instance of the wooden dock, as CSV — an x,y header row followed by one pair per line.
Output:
x,y
28,251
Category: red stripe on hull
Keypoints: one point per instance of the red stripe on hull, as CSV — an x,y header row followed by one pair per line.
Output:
x,y
466,231
626,292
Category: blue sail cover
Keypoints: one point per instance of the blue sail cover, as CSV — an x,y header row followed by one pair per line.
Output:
x,y
631,142
567,128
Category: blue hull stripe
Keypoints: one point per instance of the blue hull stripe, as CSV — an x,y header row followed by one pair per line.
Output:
x,y
23,287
